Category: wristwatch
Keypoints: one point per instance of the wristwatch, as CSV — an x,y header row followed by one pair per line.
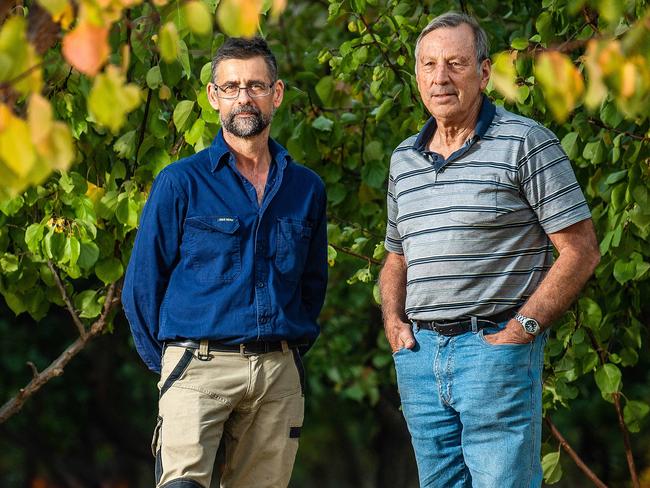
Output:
x,y
530,325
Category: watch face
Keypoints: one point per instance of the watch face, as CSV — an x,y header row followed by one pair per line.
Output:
x,y
531,326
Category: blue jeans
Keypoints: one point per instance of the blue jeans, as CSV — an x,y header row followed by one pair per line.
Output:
x,y
474,410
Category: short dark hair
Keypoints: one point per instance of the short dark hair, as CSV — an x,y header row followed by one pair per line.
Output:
x,y
243,48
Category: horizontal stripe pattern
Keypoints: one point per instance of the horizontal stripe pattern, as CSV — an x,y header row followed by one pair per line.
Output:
x,y
474,233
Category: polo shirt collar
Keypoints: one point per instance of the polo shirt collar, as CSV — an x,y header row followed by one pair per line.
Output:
x,y
220,152
485,117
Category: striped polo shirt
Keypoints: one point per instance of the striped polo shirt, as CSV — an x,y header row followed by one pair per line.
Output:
x,y
473,227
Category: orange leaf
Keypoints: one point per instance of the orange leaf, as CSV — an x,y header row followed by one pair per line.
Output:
x,y
86,48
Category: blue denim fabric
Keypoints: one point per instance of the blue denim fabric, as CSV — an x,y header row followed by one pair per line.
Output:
x,y
209,262
474,410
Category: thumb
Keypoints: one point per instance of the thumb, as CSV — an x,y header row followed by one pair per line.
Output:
x,y
407,338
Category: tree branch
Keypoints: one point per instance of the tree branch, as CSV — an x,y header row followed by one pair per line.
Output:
x,y
55,369
68,303
345,250
629,456
572,454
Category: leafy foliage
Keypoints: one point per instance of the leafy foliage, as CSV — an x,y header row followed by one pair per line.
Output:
x,y
123,95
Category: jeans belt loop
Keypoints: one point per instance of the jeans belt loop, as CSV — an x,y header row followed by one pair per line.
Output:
x,y
204,350
474,324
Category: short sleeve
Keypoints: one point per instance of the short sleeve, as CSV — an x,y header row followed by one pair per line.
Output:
x,y
393,241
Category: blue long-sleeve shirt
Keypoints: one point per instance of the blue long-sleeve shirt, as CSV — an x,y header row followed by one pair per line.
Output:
x,y
209,262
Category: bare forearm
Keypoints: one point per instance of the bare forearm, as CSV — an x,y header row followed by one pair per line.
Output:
x,y
559,288
579,256
392,284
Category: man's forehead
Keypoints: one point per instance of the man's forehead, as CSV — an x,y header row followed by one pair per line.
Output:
x,y
243,68
457,41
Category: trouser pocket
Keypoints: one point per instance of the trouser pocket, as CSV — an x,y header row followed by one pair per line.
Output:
x,y
178,370
156,443
301,369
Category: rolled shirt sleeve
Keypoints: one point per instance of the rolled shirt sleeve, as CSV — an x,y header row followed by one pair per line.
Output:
x,y
155,254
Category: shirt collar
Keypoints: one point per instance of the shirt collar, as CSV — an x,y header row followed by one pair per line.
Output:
x,y
485,117
220,152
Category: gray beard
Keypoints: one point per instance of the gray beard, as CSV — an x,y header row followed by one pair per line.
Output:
x,y
246,127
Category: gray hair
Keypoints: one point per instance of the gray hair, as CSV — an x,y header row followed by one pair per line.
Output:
x,y
454,19
243,48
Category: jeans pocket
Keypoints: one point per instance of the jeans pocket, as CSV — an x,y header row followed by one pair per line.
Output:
x,y
481,337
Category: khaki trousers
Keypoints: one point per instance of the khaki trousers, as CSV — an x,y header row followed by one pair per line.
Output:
x,y
255,402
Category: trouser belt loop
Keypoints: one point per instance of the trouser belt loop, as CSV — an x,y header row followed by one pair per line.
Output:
x,y
204,350
285,347
474,324
242,349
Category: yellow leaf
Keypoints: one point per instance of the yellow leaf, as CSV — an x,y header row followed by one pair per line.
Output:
x,y
504,74
168,42
239,18
66,17
111,99
16,149
18,58
596,89
561,83
628,79
278,7
198,16
86,47
54,7
39,117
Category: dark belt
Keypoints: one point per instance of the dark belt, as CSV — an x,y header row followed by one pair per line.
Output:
x,y
259,347
451,328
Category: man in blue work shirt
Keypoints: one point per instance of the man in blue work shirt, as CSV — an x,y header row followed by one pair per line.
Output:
x,y
225,283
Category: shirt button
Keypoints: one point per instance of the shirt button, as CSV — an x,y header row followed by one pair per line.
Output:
x,y
260,284
263,320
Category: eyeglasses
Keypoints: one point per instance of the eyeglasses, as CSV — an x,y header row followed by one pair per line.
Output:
x,y
254,89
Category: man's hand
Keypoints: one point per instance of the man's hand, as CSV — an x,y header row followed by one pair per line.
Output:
x,y
513,333
399,335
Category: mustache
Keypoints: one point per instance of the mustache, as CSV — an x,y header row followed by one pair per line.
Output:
x,y
245,108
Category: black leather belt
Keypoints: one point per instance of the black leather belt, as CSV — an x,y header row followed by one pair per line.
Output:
x,y
451,328
260,347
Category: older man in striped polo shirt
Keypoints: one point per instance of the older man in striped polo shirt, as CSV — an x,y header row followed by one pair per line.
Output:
x,y
476,202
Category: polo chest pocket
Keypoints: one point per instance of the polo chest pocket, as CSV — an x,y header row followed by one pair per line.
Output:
x,y
292,247
214,247
473,201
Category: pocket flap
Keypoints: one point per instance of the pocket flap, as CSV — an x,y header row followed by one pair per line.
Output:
x,y
227,225
292,227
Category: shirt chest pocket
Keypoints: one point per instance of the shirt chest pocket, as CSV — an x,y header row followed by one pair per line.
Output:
x,y
293,239
472,201
214,247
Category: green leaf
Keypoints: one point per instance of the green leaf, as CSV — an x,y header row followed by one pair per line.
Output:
x,y
193,135
616,176
53,245
206,73
86,302
88,254
325,90
592,315
374,151
519,43
15,303
182,114
608,379
322,123
111,98
383,109
33,237
633,413
127,212
109,270
624,271
71,251
9,263
570,145
125,145
154,78
552,468
199,18
168,41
